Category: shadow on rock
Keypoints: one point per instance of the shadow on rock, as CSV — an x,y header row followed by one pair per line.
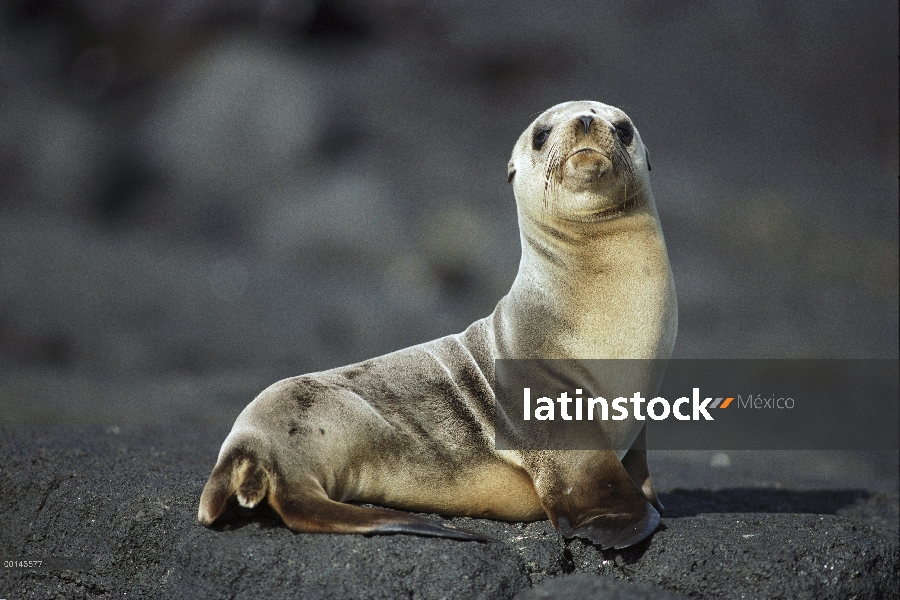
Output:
x,y
237,517
881,510
690,503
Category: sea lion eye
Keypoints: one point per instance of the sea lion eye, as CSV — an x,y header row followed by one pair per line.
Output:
x,y
625,132
540,136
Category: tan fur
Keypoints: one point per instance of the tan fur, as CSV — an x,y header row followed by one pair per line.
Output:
x,y
414,429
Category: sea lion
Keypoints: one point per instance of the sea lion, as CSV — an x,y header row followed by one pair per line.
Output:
x,y
414,429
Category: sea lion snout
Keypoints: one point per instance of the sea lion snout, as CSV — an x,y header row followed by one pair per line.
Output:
x,y
586,120
587,164
591,127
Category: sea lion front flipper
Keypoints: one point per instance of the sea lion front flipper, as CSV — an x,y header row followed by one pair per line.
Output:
x,y
635,463
589,494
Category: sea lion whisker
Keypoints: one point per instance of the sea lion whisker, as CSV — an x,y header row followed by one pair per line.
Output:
x,y
552,172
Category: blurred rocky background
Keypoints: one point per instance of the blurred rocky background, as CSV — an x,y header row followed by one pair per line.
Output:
x,y
200,197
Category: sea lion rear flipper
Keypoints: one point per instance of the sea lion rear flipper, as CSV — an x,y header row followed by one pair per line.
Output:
x,y
635,463
432,529
309,510
589,494
304,506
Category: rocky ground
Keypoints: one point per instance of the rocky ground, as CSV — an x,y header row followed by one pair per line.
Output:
x,y
199,198
125,498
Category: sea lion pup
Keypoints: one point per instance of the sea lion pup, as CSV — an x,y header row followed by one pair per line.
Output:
x,y
414,429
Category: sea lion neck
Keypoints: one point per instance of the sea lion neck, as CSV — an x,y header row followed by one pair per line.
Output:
x,y
571,252
590,289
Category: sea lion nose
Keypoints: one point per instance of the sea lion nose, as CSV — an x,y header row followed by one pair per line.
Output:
x,y
587,120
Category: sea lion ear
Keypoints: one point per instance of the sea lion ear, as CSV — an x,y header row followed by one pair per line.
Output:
x,y
511,172
647,155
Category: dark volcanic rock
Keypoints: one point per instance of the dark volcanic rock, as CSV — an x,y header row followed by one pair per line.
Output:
x,y
583,585
272,561
539,546
758,555
126,499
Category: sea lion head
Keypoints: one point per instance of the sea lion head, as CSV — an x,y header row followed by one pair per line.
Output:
x,y
580,161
